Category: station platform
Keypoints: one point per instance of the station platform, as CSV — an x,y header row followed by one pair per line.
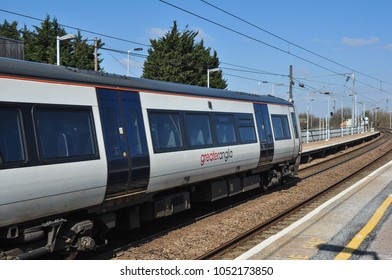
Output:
x,y
322,148
356,224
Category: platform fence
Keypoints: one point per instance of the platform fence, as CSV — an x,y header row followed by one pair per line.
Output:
x,y
313,135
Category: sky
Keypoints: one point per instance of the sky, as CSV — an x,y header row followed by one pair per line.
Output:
x,y
337,47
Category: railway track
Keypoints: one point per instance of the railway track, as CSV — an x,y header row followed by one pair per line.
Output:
x,y
184,220
245,241
319,166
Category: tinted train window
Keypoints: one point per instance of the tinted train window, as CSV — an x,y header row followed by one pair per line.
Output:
x,y
11,144
134,133
166,131
294,119
281,127
225,129
199,130
246,128
113,134
65,133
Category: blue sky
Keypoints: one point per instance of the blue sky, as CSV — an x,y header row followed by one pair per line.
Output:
x,y
337,38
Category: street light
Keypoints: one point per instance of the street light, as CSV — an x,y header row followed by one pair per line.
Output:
x,y
62,38
273,85
129,60
208,74
307,120
375,115
327,120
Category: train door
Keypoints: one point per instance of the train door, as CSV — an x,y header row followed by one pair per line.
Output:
x,y
265,133
297,134
125,141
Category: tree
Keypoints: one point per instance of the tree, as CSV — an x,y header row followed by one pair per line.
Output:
x,y
83,54
10,30
28,38
44,48
176,57
41,44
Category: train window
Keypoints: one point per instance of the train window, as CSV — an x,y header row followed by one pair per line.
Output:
x,y
199,130
11,144
225,129
281,127
64,133
112,134
246,129
134,133
166,131
294,119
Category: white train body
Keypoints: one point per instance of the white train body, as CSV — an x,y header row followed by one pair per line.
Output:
x,y
170,169
82,153
32,192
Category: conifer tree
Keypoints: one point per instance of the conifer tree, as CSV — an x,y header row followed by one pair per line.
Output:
x,y
40,44
10,30
176,57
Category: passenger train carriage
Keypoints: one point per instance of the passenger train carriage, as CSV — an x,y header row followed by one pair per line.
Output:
x,y
84,152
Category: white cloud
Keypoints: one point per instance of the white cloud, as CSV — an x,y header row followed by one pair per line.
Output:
x,y
356,42
202,35
156,32
388,47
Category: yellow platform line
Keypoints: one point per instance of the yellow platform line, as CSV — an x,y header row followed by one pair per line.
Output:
x,y
353,245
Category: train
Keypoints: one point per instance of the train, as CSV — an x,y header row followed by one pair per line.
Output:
x,y
83,153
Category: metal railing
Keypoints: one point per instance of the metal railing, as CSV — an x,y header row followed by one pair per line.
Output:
x,y
323,134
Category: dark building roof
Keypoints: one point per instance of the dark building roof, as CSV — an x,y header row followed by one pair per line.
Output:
x,y
11,48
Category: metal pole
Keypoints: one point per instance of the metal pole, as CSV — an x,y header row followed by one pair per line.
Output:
x,y
95,54
291,85
58,49
129,64
341,126
328,124
208,74
307,124
58,39
353,106
208,77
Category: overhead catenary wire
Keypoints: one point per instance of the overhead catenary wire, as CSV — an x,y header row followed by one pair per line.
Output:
x,y
248,36
277,48
133,42
291,43
238,68
80,29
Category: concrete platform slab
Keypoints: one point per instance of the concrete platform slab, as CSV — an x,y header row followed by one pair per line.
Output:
x,y
326,231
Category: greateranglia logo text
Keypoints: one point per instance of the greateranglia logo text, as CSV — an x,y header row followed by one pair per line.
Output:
x,y
214,156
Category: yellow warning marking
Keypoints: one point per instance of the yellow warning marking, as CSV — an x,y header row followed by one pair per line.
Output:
x,y
353,245
298,257
313,243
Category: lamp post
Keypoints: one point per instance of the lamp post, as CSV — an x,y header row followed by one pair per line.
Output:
x,y
327,120
307,120
62,38
353,115
375,116
208,74
273,85
129,60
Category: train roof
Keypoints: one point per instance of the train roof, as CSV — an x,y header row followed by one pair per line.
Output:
x,y
26,69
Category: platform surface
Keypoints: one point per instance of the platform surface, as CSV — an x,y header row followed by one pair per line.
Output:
x,y
356,224
307,147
